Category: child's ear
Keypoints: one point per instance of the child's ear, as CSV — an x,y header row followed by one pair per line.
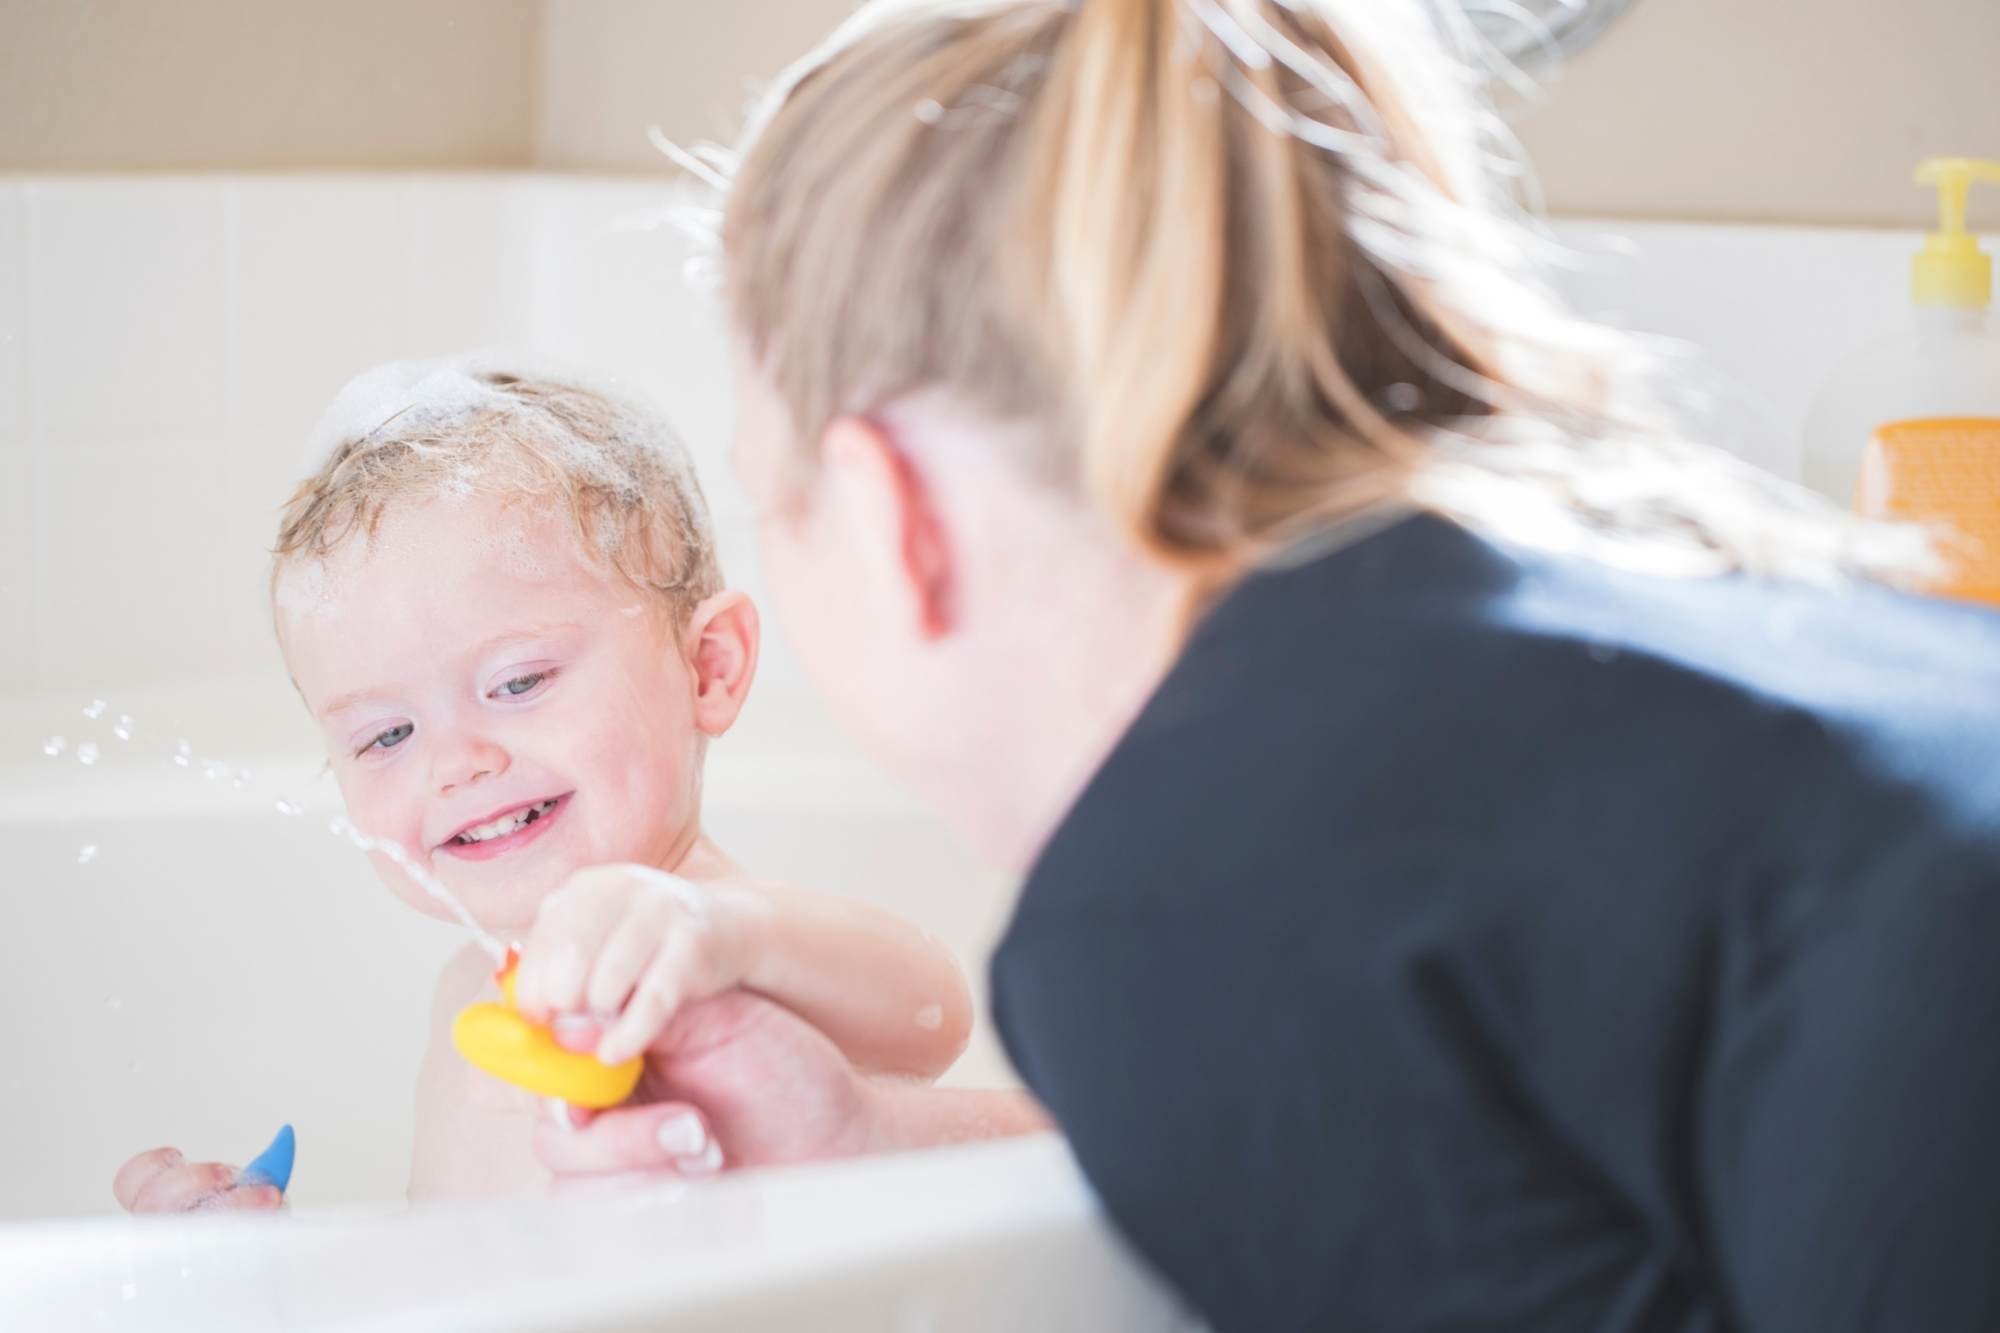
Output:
x,y
722,637
893,523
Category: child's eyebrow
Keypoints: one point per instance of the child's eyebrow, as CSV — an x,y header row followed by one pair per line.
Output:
x,y
519,635
352,697
343,701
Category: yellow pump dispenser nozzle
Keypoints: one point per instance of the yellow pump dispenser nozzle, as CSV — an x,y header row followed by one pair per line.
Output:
x,y
1951,269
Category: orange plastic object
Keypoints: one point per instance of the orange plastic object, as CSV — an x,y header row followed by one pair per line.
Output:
x,y
496,1039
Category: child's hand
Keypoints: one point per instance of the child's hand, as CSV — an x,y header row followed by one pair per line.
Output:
x,y
162,1181
632,946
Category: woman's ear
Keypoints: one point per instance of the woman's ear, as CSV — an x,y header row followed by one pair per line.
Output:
x,y
722,636
891,522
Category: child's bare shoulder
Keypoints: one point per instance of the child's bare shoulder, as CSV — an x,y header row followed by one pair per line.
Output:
x,y
463,978
473,1133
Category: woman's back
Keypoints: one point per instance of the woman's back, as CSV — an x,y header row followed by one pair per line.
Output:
x,y
1543,947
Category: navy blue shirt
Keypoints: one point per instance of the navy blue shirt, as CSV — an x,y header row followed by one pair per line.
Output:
x,y
1464,938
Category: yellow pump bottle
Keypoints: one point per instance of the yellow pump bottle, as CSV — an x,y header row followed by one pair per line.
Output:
x,y
1909,427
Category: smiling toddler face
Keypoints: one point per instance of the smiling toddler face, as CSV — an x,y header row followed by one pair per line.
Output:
x,y
495,700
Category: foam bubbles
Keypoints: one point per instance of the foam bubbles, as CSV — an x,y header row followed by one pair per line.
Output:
x,y
54,746
601,439
413,397
86,754
303,587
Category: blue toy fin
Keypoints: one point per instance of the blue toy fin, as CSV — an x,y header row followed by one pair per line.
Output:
x,y
273,1166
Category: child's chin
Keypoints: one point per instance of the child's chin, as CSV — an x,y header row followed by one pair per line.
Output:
x,y
508,897
500,899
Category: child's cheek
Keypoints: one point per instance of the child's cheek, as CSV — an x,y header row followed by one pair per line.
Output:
x,y
374,807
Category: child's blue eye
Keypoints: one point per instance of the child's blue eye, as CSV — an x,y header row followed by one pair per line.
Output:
x,y
391,738
521,685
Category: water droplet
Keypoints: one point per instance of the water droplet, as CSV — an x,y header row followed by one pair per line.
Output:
x,y
86,854
122,729
54,746
86,754
930,111
931,1017
113,1003
182,760
183,748
237,781
285,807
95,709
212,770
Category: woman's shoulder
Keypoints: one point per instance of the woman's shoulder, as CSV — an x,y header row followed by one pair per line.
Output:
x,y
1425,624
1424,698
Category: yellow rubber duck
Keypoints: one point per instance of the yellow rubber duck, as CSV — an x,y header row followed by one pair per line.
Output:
x,y
496,1039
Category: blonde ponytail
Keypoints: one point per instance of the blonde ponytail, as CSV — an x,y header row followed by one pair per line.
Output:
x,y
1138,305
1209,246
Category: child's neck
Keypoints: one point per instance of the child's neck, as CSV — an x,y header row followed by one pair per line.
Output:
x,y
699,858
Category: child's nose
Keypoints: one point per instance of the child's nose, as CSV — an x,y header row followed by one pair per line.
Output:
x,y
466,762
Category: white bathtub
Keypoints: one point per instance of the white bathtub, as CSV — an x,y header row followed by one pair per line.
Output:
x,y
996,1237
217,968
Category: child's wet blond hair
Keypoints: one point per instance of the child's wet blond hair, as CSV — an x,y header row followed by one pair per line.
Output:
x,y
408,434
1255,265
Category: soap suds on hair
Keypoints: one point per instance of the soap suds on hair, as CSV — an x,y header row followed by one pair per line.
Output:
x,y
417,432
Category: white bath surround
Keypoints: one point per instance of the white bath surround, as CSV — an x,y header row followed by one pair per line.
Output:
x,y
996,1238
214,968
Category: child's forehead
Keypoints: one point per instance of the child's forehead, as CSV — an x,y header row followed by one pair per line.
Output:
x,y
425,561
464,539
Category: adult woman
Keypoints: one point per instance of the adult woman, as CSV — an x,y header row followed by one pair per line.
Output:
x,y
1487,868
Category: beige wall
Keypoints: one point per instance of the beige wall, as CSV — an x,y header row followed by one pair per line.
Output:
x,y
1739,110
611,68
266,84
1752,110
1771,110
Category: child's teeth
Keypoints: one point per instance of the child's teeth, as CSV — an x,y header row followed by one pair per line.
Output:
x,y
506,824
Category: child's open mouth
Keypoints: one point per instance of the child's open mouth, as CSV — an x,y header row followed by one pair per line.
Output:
x,y
507,831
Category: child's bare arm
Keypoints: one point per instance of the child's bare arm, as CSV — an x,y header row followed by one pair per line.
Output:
x,y
641,944
889,994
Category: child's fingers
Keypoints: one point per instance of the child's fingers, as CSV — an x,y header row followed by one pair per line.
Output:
x,y
137,1173
182,1187
622,960
568,934
657,998
243,1199
550,976
668,1136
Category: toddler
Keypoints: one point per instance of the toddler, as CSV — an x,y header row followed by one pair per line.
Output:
x,y
499,598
